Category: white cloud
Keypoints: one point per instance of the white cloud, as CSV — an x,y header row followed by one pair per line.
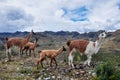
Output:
x,y
55,15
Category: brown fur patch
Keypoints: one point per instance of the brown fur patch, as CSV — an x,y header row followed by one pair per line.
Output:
x,y
50,54
15,42
94,44
79,45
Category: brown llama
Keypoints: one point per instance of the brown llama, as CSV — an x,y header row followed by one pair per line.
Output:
x,y
84,47
31,46
50,54
17,41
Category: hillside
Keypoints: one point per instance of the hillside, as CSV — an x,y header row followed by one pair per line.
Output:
x,y
24,68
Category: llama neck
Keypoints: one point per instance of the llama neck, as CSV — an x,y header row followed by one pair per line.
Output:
x,y
98,44
28,37
35,42
59,51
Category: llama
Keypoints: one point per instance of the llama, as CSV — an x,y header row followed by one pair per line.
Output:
x,y
31,47
16,41
84,47
50,54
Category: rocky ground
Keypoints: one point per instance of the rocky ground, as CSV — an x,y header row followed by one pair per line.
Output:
x,y
67,73
25,69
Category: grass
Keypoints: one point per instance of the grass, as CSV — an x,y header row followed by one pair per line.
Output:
x,y
114,58
18,69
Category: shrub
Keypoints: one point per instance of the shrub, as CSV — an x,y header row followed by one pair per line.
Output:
x,y
106,71
117,74
78,57
95,78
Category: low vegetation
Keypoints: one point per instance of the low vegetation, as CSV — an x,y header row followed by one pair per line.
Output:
x,y
106,60
106,71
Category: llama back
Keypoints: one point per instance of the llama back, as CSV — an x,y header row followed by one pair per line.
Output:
x,y
79,45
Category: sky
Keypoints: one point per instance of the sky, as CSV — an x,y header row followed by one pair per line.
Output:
x,y
59,15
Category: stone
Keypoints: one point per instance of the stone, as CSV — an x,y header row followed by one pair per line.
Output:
x,y
82,72
94,74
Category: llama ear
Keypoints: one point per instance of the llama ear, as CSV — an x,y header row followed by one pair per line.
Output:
x,y
33,32
63,47
105,32
6,38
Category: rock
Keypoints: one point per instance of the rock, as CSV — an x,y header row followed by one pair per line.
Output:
x,y
79,66
82,72
94,74
53,77
48,78
72,79
63,72
42,70
39,78
18,68
76,72
6,60
21,63
67,70
58,77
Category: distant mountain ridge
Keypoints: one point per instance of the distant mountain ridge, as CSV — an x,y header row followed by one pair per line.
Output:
x,y
49,37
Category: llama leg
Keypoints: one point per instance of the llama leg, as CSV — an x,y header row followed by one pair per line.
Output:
x,y
38,63
55,61
70,59
8,54
34,53
20,51
29,52
26,52
88,60
51,62
41,62
10,51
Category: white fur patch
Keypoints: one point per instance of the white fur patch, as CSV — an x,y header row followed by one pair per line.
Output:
x,y
70,60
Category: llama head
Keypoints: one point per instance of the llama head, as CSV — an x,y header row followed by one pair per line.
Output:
x,y
102,35
64,48
32,32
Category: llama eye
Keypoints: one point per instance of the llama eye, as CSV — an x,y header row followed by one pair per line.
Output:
x,y
102,34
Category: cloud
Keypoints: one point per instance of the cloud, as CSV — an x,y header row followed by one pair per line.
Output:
x,y
13,19
55,15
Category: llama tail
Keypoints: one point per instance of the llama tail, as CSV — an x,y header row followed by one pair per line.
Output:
x,y
39,51
6,38
68,42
